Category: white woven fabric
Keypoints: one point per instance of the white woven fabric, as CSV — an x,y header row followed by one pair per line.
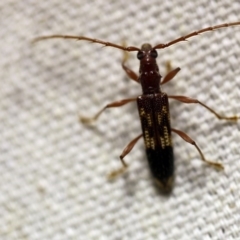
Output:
x,y
53,169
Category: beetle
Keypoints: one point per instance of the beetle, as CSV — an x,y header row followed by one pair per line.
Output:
x,y
153,107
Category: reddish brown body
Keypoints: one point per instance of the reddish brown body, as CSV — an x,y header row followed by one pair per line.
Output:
x,y
153,108
154,115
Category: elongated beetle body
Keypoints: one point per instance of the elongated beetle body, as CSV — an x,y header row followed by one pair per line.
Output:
x,y
155,119
154,115
153,108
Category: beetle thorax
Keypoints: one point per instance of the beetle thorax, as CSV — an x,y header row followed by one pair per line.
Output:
x,y
149,73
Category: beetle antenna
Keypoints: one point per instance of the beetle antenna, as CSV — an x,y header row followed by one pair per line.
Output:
x,y
192,34
106,44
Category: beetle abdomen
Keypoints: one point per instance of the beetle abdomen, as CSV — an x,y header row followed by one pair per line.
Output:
x,y
155,121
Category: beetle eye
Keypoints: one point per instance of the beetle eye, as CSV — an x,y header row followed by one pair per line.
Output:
x,y
140,55
154,53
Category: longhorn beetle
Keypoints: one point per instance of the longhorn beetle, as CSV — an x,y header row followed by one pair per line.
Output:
x,y
153,107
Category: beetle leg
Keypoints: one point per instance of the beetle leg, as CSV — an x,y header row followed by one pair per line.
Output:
x,y
192,100
186,138
126,150
170,75
88,120
131,74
